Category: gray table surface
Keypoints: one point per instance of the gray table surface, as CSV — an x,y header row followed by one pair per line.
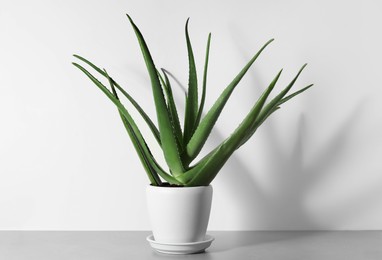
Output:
x,y
110,245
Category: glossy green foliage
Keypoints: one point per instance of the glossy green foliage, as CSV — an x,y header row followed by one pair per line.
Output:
x,y
181,146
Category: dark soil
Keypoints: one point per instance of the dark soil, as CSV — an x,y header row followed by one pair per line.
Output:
x,y
166,184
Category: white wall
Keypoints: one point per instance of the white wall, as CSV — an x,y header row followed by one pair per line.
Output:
x,y
66,162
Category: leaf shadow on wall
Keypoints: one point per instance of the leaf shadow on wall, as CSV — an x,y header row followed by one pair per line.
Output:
x,y
285,205
293,180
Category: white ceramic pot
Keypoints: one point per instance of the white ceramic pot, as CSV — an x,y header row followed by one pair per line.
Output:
x,y
179,214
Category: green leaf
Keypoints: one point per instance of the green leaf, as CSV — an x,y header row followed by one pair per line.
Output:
x,y
192,93
142,148
172,109
147,119
204,129
275,101
275,105
202,100
151,173
154,179
258,123
149,160
294,94
204,172
166,130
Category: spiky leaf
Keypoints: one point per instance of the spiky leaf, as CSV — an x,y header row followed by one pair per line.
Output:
x,y
204,90
172,109
204,172
132,129
192,94
204,129
166,131
143,114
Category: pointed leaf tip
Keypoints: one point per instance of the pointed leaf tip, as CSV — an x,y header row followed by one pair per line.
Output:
x,y
130,19
279,74
269,41
186,26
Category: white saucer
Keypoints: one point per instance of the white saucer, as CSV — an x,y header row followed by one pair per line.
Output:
x,y
180,248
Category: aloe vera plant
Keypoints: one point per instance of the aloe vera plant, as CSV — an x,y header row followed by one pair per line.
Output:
x,y
181,145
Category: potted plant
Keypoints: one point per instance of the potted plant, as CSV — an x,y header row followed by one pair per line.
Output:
x,y
179,198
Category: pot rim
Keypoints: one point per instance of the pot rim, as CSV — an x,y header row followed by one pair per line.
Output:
x,y
178,187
